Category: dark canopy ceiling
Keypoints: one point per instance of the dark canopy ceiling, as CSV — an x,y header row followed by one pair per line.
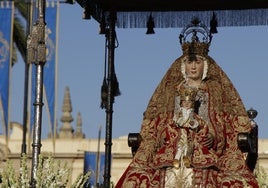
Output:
x,y
175,13
175,5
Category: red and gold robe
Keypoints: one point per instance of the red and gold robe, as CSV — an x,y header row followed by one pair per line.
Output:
x,y
156,153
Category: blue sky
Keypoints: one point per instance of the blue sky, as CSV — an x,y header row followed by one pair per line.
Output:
x,y
140,62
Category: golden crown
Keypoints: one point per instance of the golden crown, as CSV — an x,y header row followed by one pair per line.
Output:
x,y
195,39
187,93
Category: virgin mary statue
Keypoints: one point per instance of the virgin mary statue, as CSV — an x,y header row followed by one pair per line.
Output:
x,y
168,156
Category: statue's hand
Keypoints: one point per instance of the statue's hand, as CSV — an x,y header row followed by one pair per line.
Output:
x,y
208,140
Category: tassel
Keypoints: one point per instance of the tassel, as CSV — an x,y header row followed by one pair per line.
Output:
x,y
114,82
104,87
213,24
104,94
115,86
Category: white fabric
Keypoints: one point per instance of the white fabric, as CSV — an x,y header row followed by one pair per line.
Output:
x,y
180,177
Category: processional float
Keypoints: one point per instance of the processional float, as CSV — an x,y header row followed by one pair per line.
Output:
x,y
144,14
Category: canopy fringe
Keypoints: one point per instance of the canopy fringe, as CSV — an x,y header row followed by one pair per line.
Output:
x,y
180,19
249,17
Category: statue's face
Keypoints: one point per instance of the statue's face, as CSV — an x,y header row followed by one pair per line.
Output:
x,y
194,69
187,104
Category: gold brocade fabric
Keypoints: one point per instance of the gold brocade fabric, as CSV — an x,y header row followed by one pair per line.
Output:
x,y
156,153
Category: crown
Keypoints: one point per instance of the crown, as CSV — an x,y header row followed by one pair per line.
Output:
x,y
187,93
195,39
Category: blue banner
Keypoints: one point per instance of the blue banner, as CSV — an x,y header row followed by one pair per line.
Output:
x,y
6,23
91,162
49,83
51,61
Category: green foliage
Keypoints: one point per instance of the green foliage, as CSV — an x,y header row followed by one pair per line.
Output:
x,y
262,176
50,174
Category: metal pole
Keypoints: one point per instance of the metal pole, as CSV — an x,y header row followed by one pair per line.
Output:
x,y
98,160
38,55
26,82
110,100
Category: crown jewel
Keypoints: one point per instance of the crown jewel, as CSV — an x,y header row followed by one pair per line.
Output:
x,y
195,38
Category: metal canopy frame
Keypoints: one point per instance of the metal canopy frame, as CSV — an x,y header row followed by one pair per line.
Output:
x,y
174,5
168,13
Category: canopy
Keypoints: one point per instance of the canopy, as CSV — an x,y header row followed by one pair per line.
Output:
x,y
175,13
163,14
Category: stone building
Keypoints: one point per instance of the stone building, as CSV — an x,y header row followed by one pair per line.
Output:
x,y
70,145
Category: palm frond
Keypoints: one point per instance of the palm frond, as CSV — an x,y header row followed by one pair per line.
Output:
x,y
21,7
19,38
